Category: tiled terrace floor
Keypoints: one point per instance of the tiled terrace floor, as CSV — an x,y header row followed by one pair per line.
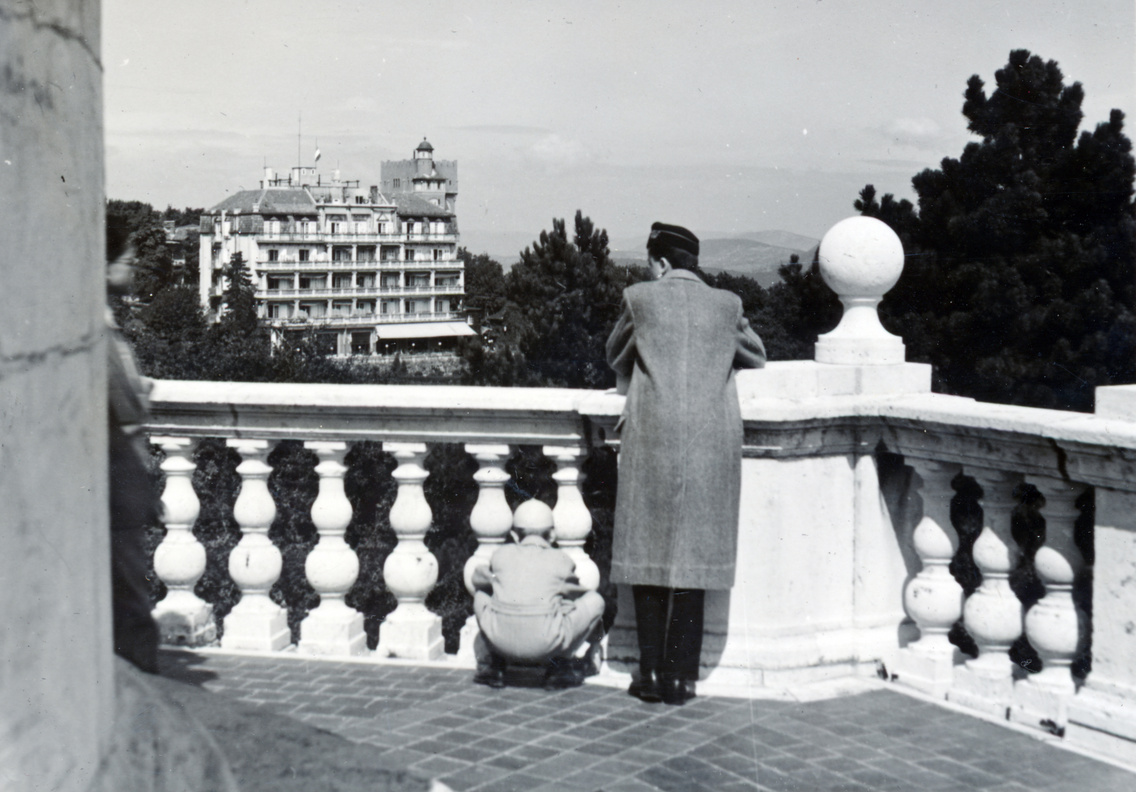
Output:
x,y
435,723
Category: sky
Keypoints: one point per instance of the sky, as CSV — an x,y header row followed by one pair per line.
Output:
x,y
723,116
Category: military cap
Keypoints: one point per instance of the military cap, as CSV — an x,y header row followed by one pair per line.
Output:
x,y
673,237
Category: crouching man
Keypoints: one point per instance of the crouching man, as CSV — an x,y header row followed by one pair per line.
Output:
x,y
530,607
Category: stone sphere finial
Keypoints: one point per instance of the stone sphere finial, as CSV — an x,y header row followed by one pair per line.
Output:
x,y
861,258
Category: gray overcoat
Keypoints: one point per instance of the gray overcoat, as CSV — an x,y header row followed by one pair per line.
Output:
x,y
676,513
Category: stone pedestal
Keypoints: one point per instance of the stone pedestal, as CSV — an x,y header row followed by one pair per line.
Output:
x,y
1102,715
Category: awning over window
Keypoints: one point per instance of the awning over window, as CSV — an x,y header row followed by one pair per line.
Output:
x,y
424,330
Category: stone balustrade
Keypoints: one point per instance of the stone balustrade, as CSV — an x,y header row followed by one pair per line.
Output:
x,y
846,540
951,547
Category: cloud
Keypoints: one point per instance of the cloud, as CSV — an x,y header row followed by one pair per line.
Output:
x,y
913,131
554,151
504,129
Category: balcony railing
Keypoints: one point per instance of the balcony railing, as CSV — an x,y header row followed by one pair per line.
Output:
x,y
855,511
358,237
979,553
360,291
450,263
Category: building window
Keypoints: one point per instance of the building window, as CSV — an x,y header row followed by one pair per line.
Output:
x,y
398,184
390,280
418,279
273,255
361,343
365,308
365,280
341,308
327,343
342,281
305,254
279,310
410,254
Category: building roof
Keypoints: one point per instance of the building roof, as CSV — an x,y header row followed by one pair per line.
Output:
x,y
424,330
425,145
275,200
410,205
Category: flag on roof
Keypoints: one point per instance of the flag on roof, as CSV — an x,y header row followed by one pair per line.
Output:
x,y
318,155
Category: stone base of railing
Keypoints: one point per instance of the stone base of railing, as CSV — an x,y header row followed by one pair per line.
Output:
x,y
1040,706
185,621
1103,721
256,630
411,632
333,629
978,690
928,672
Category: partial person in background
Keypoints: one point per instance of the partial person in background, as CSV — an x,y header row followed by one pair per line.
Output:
x,y
134,505
674,350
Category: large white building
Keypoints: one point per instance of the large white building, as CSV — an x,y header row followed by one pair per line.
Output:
x,y
368,271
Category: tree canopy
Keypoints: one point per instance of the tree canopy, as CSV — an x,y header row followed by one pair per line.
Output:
x,y
1019,284
564,297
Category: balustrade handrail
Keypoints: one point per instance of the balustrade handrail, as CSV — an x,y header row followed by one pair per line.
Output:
x,y
430,413
916,424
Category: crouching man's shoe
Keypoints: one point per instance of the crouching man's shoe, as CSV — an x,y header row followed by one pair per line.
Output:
x,y
492,676
562,674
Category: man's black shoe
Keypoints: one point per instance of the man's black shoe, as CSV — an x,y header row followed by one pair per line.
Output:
x,y
646,688
677,691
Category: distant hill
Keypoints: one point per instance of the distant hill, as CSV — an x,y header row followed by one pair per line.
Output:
x,y
753,258
755,254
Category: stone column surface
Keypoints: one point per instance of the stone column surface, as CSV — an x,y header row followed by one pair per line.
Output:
x,y
1102,716
56,673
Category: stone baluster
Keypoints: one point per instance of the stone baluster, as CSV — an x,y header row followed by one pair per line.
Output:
x,y
410,631
993,613
331,628
490,520
933,598
571,518
256,622
179,561
1055,626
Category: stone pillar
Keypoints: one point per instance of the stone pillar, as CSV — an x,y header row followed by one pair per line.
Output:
x,y
1055,626
1102,716
879,569
255,623
179,561
490,520
56,668
410,631
993,613
571,518
331,628
933,598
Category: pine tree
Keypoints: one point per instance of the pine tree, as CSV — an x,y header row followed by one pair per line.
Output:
x,y
564,298
1020,280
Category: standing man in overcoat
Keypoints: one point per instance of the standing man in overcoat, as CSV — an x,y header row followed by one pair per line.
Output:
x,y
674,349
